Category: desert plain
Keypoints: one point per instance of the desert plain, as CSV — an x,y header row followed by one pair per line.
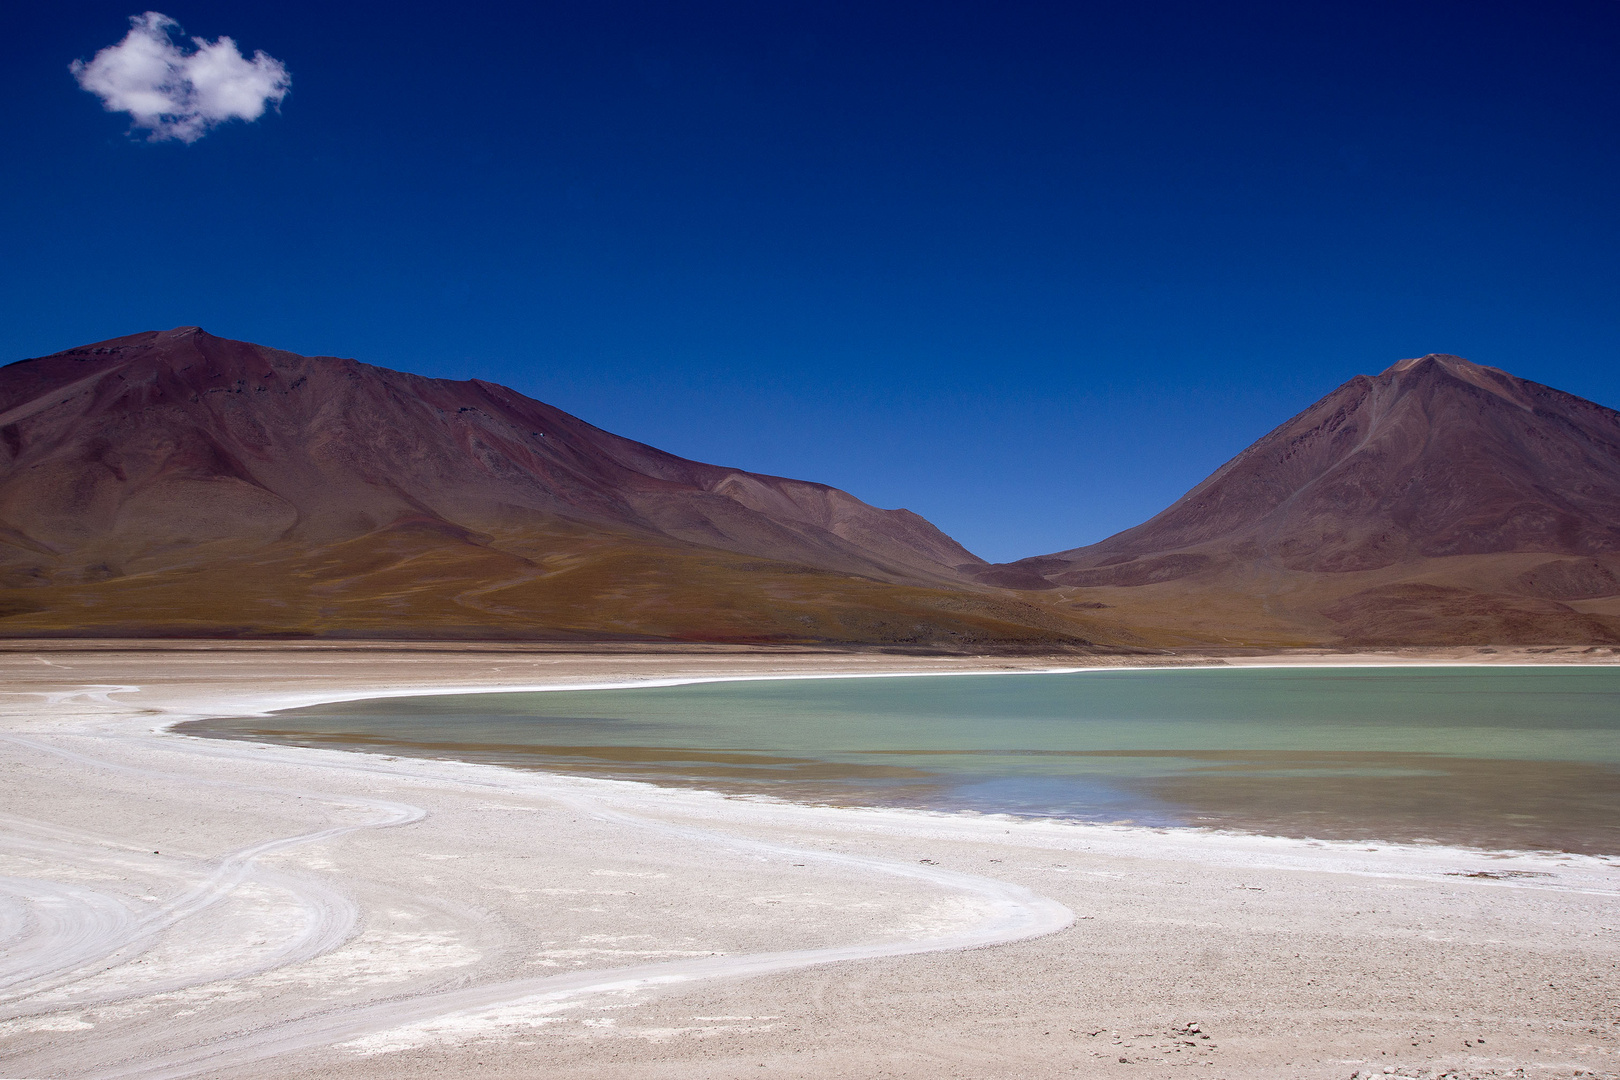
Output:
x,y
176,906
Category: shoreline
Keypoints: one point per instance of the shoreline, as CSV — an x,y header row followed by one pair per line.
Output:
x,y
394,883
1563,656
1338,831
699,680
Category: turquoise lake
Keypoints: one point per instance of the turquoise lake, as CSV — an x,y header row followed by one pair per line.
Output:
x,y
1496,757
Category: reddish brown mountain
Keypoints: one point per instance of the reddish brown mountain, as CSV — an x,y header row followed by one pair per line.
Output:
x,y
179,483
1438,501
182,437
183,481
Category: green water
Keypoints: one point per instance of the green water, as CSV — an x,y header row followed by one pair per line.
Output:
x,y
1498,757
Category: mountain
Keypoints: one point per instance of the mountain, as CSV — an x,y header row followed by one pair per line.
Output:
x,y
180,483
1438,502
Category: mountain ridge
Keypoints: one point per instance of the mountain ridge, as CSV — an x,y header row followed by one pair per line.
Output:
x,y
639,473
172,453
174,483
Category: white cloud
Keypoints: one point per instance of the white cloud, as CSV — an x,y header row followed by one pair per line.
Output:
x,y
175,94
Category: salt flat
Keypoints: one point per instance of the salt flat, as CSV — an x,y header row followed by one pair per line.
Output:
x,y
174,906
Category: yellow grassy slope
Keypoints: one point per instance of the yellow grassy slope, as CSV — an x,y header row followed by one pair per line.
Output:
x,y
563,584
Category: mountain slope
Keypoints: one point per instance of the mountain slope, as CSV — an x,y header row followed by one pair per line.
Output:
x,y
1419,505
182,482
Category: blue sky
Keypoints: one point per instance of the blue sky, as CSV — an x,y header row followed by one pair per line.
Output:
x,y
1031,270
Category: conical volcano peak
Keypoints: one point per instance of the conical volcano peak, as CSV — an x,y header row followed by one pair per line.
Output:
x,y
1492,380
1435,457
1445,360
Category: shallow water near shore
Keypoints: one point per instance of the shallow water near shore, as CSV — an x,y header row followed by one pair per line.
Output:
x,y
1497,757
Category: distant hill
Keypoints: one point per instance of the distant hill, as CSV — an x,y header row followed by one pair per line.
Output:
x,y
1439,502
179,483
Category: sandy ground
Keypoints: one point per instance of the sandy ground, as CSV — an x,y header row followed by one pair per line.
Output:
x,y
172,907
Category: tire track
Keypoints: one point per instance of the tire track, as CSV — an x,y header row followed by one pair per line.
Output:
x,y
104,939
1015,914
60,947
